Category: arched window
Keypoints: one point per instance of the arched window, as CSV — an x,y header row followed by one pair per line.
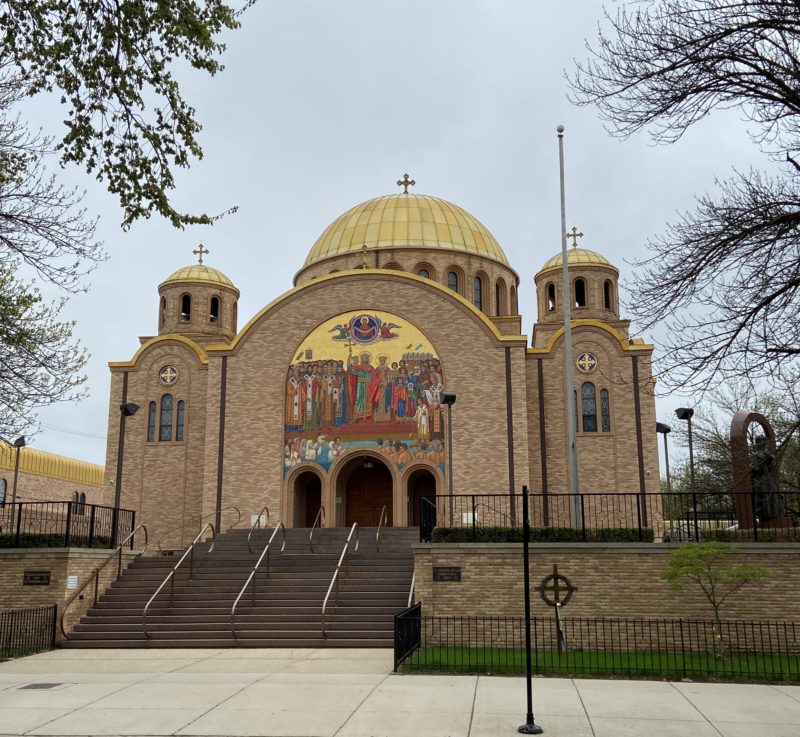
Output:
x,y
180,420
575,394
3,488
605,411
580,293
81,504
392,265
452,280
165,428
424,273
477,292
607,295
162,312
551,297
186,307
589,407
213,312
151,422
514,308
500,297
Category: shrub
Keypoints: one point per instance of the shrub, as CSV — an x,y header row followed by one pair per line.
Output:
x,y
540,535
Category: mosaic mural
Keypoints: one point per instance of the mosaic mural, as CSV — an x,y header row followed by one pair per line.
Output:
x,y
364,379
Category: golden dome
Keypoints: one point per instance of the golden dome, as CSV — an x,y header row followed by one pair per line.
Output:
x,y
199,273
406,221
41,463
578,257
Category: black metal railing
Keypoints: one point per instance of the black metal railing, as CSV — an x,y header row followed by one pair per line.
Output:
x,y
27,631
671,648
406,633
610,517
62,524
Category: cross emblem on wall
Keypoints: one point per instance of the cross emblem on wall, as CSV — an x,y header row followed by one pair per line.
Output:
x,y
168,375
200,252
405,183
587,362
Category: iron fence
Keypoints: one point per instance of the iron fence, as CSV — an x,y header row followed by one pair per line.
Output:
x,y
62,524
27,631
610,517
670,648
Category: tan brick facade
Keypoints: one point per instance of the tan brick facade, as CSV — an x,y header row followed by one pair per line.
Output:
x,y
232,452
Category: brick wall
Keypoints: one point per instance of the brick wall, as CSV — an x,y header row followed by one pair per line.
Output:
x,y
61,563
612,580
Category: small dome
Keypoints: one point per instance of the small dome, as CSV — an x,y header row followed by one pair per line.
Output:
x,y
406,220
578,257
199,273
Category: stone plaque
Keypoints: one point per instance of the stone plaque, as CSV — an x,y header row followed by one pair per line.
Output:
x,y
36,578
447,573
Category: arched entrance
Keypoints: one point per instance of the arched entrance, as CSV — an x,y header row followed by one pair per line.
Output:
x,y
421,484
307,499
365,487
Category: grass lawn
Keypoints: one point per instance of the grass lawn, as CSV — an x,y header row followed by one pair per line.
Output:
x,y
744,666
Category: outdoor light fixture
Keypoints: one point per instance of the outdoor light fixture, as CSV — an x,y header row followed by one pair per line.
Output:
x,y
686,413
448,398
19,444
128,409
664,430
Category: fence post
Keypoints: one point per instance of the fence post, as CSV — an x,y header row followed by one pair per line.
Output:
x,y
68,528
694,514
133,525
473,518
53,628
583,519
639,516
91,525
755,521
19,524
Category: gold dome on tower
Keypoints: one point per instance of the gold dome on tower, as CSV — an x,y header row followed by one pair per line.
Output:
x,y
578,257
406,220
199,273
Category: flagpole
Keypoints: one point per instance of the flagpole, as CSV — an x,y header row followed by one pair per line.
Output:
x,y
569,372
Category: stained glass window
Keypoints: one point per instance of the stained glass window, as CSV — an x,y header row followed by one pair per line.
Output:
x,y
151,422
3,487
477,293
424,273
181,420
589,407
165,431
605,411
452,281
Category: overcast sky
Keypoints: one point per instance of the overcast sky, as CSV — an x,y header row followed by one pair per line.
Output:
x,y
324,105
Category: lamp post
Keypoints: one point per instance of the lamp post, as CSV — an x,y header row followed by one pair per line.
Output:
x,y
125,410
19,444
664,430
449,399
686,413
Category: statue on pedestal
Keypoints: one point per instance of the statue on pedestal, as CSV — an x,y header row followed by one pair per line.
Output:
x,y
767,501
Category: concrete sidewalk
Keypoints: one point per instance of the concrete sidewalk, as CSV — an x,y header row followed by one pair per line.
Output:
x,y
352,693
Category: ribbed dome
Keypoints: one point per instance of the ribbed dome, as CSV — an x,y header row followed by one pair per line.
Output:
x,y
406,221
578,257
198,273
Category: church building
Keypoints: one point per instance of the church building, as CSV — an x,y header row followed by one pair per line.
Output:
x,y
334,395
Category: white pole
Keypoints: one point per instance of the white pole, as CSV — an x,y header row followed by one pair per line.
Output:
x,y
569,381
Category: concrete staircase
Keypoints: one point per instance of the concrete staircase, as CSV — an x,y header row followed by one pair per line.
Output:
x,y
287,608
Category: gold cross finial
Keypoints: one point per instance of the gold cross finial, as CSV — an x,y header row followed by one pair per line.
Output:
x,y
574,235
405,183
200,252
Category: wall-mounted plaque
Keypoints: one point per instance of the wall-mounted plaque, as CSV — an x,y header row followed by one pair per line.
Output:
x,y
447,573
36,578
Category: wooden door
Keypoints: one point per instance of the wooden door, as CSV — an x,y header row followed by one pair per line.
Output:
x,y
423,485
368,490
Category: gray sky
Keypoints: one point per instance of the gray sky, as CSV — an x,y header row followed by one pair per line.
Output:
x,y
324,105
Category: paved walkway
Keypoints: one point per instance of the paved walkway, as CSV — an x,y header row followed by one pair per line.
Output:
x,y
352,693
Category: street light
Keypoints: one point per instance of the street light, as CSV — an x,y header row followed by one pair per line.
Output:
x,y
19,444
125,410
449,399
686,413
664,430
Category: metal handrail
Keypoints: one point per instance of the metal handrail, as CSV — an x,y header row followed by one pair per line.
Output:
x,y
381,523
210,514
335,578
257,524
171,574
320,518
251,577
505,518
96,573
411,590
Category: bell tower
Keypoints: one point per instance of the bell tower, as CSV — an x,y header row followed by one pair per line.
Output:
x,y
199,302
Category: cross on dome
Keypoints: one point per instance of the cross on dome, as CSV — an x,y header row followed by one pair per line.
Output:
x,y
574,234
405,183
200,252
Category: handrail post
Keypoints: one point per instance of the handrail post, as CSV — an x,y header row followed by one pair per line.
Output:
x,y
473,518
96,584
69,525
